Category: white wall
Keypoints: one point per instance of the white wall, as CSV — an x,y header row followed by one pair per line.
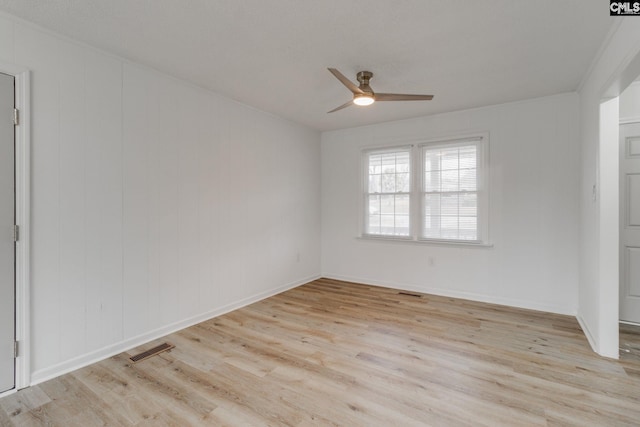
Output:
x,y
617,64
534,163
155,204
630,103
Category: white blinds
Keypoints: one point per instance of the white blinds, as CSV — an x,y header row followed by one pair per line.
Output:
x,y
450,191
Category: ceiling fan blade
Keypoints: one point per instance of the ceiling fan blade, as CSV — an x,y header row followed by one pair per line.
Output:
x,y
401,97
345,105
345,81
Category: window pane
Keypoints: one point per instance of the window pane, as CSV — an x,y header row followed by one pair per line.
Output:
x,y
387,221
431,161
387,205
449,205
373,215
403,181
389,163
388,183
431,227
468,204
402,221
468,157
449,180
403,161
468,228
432,181
468,223
431,204
374,183
450,216
468,179
402,204
402,225
449,227
449,159
374,205
373,224
449,222
375,165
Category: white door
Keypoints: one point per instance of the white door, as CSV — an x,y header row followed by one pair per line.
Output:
x,y
7,244
630,222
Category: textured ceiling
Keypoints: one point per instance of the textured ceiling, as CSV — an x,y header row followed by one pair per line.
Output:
x,y
273,54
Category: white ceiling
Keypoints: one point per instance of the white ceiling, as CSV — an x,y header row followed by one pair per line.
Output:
x,y
273,54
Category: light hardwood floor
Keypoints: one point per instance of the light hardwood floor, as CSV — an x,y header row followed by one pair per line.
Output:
x,y
630,342
332,353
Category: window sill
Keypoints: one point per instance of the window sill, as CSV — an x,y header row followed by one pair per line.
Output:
x,y
410,240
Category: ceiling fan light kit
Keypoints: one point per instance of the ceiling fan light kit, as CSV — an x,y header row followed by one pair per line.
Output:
x,y
364,99
364,95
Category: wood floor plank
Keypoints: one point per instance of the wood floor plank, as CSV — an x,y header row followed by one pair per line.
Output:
x,y
334,353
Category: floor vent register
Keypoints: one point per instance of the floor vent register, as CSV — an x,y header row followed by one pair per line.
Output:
x,y
151,352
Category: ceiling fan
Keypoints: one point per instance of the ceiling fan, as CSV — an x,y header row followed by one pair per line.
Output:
x,y
364,95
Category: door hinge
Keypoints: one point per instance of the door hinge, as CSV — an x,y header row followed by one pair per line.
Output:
x,y
16,233
15,350
16,116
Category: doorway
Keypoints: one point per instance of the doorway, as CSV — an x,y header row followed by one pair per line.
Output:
x,y
7,234
629,149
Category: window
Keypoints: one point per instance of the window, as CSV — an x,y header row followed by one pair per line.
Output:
x,y
450,191
388,195
433,191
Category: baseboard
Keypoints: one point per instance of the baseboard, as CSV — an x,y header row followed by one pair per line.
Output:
x,y
626,322
8,392
111,350
458,294
587,333
629,120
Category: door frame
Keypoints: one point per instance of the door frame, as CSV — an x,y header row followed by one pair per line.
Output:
x,y
23,215
623,215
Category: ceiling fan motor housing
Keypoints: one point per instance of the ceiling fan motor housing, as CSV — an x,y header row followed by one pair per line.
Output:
x,y
364,77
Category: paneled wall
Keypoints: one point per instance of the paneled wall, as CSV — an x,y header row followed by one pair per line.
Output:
x,y
533,209
155,203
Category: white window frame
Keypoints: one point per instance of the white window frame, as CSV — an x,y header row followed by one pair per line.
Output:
x,y
416,218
